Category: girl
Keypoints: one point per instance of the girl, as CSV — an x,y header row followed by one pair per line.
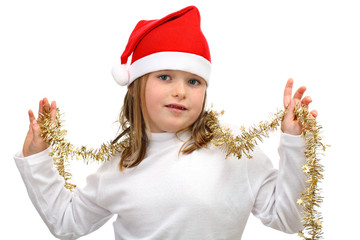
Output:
x,y
169,181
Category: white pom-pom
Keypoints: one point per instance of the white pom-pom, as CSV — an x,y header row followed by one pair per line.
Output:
x,y
120,74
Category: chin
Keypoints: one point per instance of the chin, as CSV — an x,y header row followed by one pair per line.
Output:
x,y
173,130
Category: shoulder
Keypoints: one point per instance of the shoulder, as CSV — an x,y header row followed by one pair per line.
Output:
x,y
110,166
234,142
105,168
94,187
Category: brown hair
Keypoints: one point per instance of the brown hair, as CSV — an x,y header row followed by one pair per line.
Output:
x,y
134,124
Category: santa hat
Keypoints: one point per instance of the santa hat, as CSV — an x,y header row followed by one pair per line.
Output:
x,y
174,42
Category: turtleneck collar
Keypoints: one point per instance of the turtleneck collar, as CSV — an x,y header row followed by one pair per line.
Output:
x,y
168,137
160,137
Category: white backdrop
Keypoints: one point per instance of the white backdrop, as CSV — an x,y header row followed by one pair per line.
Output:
x,y
64,50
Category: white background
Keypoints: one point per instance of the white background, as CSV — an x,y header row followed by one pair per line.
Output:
x,y
64,50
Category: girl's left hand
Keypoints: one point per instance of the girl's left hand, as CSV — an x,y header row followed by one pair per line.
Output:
x,y
290,125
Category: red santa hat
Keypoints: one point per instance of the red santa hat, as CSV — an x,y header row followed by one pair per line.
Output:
x,y
174,42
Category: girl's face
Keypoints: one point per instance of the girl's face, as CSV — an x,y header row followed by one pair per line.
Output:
x,y
174,100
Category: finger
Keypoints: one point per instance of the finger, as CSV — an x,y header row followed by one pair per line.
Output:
x,y
29,134
314,113
31,116
40,112
306,101
299,94
30,131
288,92
53,112
46,105
35,129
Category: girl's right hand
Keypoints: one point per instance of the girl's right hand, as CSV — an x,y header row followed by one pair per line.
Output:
x,y
34,143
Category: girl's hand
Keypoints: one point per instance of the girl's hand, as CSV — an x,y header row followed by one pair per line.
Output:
x,y
34,143
290,125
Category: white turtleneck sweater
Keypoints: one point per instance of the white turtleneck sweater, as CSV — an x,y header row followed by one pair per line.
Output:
x,y
202,195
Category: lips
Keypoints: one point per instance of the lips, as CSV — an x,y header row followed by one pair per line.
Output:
x,y
176,106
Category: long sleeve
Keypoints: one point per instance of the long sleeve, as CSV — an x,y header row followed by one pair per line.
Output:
x,y
68,215
275,192
202,195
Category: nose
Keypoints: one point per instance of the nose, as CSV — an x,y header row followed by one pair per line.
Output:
x,y
179,90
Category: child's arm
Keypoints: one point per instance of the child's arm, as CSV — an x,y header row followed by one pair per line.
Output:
x,y
68,215
277,191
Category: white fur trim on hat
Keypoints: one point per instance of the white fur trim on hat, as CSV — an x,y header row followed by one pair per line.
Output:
x,y
188,62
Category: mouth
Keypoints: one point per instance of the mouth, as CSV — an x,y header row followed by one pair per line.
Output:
x,y
176,107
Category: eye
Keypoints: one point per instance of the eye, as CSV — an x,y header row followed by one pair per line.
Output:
x,y
164,77
194,82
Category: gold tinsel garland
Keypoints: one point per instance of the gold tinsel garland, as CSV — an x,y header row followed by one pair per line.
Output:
x,y
222,137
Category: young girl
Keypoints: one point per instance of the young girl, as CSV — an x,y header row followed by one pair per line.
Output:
x,y
169,181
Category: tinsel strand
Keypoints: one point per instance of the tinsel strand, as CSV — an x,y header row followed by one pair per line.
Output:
x,y
62,150
310,199
243,144
247,140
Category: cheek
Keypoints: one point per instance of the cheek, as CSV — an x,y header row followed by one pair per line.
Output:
x,y
198,101
149,102
200,98
152,97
